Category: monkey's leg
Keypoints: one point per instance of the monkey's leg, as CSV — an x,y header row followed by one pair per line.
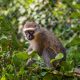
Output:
x,y
46,58
52,54
47,55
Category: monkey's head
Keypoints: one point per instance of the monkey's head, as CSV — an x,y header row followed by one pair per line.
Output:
x,y
29,30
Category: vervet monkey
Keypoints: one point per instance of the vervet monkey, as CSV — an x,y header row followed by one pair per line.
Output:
x,y
44,42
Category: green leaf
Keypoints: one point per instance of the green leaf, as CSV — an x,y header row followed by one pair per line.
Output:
x,y
48,76
3,78
59,56
43,73
75,15
21,55
21,72
75,40
77,6
28,2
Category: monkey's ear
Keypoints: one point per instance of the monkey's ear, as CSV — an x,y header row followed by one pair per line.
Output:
x,y
24,22
38,26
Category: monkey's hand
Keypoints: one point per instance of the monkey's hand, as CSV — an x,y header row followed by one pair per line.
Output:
x,y
29,50
30,61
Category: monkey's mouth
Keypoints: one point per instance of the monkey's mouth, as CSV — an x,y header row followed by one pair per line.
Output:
x,y
30,38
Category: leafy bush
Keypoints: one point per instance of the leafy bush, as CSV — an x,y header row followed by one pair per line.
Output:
x,y
63,17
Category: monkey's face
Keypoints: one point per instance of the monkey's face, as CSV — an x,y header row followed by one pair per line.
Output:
x,y
29,34
29,30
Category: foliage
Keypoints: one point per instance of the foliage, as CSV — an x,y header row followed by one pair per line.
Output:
x,y
62,16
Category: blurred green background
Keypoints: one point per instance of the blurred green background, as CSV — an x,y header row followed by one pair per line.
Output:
x,y
62,16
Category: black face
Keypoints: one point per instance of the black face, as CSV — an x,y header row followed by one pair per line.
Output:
x,y
29,34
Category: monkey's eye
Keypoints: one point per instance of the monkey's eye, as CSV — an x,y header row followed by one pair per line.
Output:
x,y
26,32
31,32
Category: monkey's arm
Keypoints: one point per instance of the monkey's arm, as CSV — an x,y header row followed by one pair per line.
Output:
x,y
30,61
